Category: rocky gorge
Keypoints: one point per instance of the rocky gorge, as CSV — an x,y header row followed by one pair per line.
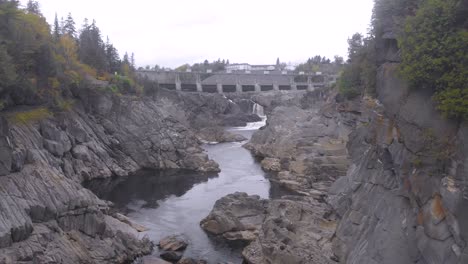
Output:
x,y
46,214
378,179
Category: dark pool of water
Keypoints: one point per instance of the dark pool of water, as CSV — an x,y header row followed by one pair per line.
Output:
x,y
174,202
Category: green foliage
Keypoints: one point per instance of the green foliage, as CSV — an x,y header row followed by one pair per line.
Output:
x,y
64,105
359,75
319,64
40,66
29,116
435,54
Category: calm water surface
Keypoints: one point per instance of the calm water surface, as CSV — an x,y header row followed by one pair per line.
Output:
x,y
174,202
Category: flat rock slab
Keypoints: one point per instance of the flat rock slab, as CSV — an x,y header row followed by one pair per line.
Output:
x,y
173,243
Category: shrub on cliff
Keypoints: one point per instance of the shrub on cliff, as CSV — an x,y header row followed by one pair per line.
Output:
x,y
435,53
358,76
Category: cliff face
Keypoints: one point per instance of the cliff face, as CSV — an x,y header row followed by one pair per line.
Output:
x,y
46,216
306,142
404,197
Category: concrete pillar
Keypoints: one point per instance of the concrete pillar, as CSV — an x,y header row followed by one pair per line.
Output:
x,y
257,87
310,85
275,87
178,84
293,84
199,84
238,85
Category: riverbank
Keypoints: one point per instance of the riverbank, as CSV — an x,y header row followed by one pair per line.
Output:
x,y
45,157
168,204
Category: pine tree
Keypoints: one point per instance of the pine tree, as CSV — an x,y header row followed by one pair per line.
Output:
x,y
57,28
112,58
91,47
69,27
132,61
32,7
62,25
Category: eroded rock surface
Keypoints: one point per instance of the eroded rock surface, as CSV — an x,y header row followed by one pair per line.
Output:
x,y
46,215
219,135
236,217
306,143
288,230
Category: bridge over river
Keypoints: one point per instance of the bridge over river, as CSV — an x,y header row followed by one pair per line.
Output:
x,y
230,82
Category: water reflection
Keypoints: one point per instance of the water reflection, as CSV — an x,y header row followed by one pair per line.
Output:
x,y
174,202
146,186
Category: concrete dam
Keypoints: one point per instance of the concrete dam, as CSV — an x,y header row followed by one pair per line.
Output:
x,y
230,82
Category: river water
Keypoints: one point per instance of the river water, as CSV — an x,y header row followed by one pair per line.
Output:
x,y
174,202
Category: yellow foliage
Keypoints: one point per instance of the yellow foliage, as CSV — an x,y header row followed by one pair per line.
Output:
x,y
65,105
29,116
69,48
88,69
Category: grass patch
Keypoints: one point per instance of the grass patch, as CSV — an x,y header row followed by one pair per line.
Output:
x,y
30,116
65,105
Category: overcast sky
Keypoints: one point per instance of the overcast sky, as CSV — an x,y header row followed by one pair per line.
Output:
x,y
170,33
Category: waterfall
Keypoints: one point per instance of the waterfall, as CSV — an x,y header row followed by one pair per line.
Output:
x,y
258,110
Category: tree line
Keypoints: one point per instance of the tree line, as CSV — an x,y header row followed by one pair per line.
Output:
x,y
44,64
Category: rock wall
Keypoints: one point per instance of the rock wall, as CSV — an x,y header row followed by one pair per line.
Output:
x,y
46,216
411,164
305,142
404,197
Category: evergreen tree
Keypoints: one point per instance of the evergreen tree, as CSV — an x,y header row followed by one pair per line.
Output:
x,y
132,61
112,58
62,25
32,7
69,27
91,47
57,28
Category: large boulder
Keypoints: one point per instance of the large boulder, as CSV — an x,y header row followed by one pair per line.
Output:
x,y
236,216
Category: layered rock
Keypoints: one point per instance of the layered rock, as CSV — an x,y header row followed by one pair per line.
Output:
x,y
202,110
288,230
404,197
219,135
306,144
236,217
294,231
45,214
411,164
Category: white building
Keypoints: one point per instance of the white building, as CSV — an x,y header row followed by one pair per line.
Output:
x,y
248,67
238,67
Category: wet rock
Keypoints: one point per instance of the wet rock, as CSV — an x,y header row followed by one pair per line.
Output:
x,y
191,261
173,243
219,134
172,256
153,260
131,223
